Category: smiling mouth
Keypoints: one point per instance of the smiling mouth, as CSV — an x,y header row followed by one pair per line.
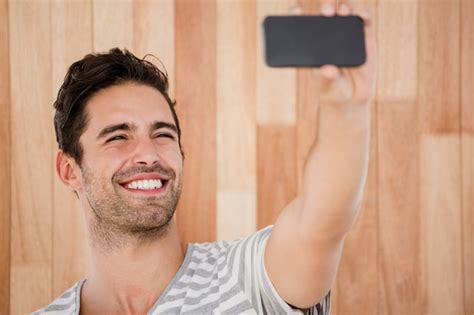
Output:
x,y
146,185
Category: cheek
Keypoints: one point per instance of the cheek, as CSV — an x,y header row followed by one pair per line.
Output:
x,y
175,157
102,167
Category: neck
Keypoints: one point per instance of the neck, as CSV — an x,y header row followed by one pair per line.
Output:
x,y
130,276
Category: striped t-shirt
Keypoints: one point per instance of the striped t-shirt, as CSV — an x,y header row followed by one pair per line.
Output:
x,y
225,277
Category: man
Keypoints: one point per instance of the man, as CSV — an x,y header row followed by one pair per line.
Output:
x,y
120,152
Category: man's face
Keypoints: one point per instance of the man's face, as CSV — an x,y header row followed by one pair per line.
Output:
x,y
132,163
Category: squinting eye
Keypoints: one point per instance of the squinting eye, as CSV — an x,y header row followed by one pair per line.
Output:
x,y
165,135
116,138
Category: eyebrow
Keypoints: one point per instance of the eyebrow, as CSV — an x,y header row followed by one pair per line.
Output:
x,y
129,126
162,124
109,129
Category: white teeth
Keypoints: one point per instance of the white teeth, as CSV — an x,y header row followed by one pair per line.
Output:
x,y
145,184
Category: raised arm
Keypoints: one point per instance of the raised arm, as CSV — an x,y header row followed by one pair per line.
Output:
x,y
305,246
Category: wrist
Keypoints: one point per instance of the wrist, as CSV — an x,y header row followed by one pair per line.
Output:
x,y
345,117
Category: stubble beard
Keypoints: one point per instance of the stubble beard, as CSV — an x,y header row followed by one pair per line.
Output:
x,y
119,219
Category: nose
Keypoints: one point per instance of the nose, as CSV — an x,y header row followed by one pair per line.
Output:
x,y
145,153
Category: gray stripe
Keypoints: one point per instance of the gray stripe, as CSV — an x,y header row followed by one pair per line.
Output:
x,y
253,268
200,261
238,308
203,272
211,260
240,259
200,286
231,256
66,294
205,288
207,308
172,311
58,307
191,285
204,249
171,298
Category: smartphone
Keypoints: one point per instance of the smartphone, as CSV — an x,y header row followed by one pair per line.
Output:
x,y
313,41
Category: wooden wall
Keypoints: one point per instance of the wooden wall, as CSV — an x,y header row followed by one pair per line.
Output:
x,y
246,131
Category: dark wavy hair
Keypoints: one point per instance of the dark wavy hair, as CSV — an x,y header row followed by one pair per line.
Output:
x,y
91,74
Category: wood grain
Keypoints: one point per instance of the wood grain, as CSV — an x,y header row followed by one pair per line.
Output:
x,y
246,132
277,181
398,68
440,169
5,179
236,119
399,266
32,172
195,66
153,33
467,150
276,87
441,212
113,24
276,164
438,63
70,254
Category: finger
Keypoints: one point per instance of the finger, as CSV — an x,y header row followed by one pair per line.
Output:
x,y
364,13
368,29
344,8
327,8
330,72
336,90
295,10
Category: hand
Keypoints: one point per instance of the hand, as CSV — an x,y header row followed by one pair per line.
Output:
x,y
355,85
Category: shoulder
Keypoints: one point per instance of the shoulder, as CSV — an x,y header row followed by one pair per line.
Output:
x,y
67,303
214,249
233,250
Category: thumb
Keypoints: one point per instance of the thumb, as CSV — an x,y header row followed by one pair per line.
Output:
x,y
334,86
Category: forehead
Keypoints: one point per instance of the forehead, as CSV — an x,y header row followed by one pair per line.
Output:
x,y
128,102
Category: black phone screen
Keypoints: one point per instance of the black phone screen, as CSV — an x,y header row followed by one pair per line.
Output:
x,y
313,41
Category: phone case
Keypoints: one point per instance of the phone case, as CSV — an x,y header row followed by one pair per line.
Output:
x,y
313,41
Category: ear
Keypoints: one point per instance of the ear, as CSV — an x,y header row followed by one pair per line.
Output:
x,y
68,171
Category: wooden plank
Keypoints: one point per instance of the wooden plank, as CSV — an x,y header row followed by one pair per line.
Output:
x,y
440,178
399,266
276,164
113,24
195,66
236,214
236,119
467,152
276,88
69,229
276,132
5,179
32,171
397,30
153,33
440,187
439,70
468,217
